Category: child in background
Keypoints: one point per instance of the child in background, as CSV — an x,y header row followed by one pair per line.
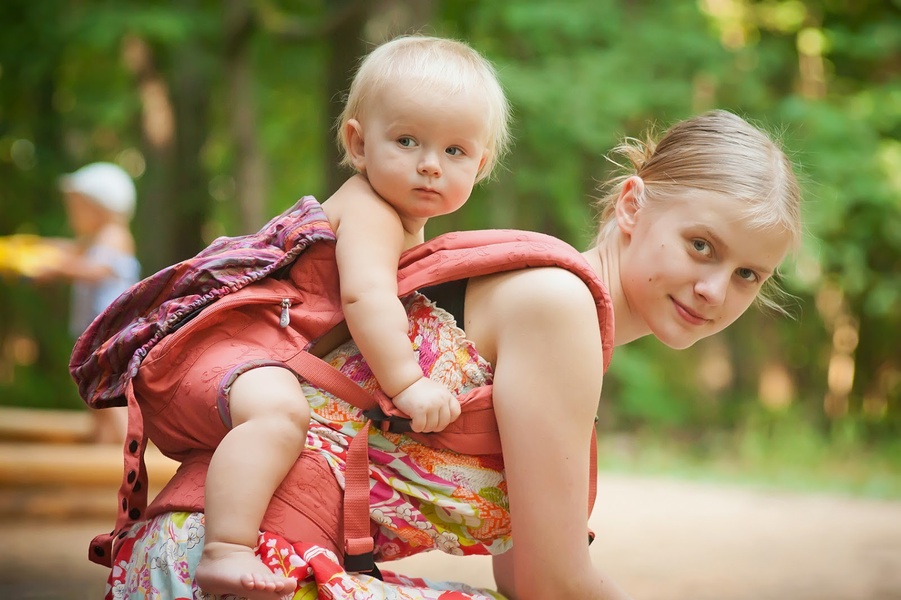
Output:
x,y
425,120
99,262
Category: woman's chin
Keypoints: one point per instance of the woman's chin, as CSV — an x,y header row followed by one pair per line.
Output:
x,y
677,340
679,346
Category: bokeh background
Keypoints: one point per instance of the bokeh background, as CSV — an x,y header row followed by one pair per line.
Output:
x,y
223,113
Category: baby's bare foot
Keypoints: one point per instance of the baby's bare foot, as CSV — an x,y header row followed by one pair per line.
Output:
x,y
234,569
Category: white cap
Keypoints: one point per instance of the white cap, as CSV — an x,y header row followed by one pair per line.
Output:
x,y
107,184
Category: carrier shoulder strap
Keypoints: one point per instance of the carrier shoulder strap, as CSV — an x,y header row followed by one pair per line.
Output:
x,y
464,254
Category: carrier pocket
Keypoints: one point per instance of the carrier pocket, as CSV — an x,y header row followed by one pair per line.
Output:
x,y
262,303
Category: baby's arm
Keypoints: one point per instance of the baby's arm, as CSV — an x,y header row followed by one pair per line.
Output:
x,y
370,241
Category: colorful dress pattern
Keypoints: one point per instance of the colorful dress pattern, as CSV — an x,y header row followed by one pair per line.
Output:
x,y
422,498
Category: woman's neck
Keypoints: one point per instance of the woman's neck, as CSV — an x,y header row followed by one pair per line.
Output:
x,y
604,259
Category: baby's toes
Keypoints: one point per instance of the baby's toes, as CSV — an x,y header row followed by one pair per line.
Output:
x,y
263,583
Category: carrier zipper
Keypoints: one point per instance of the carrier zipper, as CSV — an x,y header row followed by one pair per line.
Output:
x,y
285,319
210,310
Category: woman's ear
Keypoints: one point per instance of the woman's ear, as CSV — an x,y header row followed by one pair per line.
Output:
x,y
353,140
629,203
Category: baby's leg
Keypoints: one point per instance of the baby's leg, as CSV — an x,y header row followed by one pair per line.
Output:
x,y
270,417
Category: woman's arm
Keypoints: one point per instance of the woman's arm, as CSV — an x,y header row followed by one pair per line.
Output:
x,y
504,580
548,375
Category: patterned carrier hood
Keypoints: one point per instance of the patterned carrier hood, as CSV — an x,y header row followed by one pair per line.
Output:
x,y
109,352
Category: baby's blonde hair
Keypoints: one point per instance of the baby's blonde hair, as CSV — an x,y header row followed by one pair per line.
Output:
x,y
430,62
717,152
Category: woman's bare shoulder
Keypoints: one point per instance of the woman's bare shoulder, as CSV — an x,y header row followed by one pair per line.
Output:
x,y
545,299
540,290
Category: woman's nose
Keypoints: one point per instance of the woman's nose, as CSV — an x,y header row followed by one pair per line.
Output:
x,y
713,286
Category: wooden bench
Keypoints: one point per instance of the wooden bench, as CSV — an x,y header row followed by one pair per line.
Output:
x,y
47,469
29,424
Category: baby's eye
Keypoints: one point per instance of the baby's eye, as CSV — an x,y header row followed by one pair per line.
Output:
x,y
406,141
747,275
701,246
454,151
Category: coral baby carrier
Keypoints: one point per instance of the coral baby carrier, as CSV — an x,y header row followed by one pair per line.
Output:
x,y
246,273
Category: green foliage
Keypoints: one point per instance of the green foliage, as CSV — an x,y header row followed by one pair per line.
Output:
x,y
640,392
569,69
781,450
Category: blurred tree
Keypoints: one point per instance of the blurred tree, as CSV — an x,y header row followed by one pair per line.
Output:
x,y
240,24
225,113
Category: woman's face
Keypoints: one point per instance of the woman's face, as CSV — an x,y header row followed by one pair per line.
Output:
x,y
692,265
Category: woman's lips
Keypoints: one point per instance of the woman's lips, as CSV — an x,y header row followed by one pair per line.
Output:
x,y
688,314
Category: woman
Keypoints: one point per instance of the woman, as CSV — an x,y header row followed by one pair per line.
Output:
x,y
688,240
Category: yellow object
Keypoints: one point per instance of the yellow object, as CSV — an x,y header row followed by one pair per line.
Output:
x,y
27,254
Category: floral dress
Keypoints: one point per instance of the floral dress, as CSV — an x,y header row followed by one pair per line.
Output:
x,y
421,498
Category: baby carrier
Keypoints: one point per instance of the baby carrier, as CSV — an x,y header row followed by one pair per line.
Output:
x,y
237,272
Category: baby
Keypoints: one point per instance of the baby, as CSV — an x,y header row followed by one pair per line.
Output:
x,y
425,120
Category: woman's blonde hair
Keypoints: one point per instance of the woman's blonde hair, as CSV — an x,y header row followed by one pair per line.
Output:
x,y
430,62
717,152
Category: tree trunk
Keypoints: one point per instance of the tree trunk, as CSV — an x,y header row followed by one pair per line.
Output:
x,y
189,198
172,212
153,236
250,168
359,23
345,45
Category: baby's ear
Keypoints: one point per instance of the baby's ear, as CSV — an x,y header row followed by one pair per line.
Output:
x,y
628,203
353,140
480,172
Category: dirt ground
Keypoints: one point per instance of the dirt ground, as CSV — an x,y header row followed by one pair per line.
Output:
x,y
661,539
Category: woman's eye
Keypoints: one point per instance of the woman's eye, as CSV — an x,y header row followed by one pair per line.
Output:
x,y
747,275
701,246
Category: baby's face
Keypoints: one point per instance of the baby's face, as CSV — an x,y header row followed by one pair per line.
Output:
x,y
423,148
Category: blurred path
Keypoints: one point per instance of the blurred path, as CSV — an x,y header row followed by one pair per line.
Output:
x,y
661,539
674,540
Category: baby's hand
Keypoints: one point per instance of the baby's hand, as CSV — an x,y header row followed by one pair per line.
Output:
x,y
430,405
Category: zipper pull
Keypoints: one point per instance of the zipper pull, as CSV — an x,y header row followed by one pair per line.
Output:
x,y
285,319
